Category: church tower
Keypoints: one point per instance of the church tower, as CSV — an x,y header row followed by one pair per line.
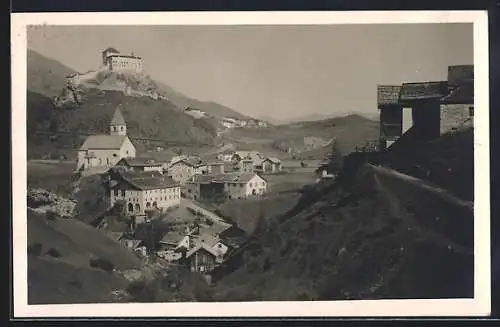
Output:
x,y
117,126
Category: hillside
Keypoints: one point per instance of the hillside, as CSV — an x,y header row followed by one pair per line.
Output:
x,y
349,132
373,234
59,263
146,118
45,76
212,108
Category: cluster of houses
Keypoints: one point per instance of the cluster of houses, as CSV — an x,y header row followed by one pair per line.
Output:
x,y
231,122
144,188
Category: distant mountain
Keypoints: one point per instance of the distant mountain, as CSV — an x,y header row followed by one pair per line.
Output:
x,y
318,117
45,76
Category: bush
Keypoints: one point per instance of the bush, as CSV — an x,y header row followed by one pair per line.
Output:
x,y
53,253
104,264
35,249
51,215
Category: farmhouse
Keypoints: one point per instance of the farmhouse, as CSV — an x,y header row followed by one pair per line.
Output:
x,y
139,164
226,155
227,185
184,169
100,151
271,165
141,192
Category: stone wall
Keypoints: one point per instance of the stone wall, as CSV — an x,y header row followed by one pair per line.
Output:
x,y
454,116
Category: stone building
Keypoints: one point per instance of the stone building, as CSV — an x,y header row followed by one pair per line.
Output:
x,y
118,62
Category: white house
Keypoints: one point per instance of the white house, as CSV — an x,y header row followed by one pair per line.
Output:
x,y
100,151
143,191
228,185
184,169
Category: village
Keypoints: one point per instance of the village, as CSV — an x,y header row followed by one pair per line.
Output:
x,y
178,194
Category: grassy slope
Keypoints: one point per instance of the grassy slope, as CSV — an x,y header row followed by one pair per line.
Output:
x,y
349,131
212,108
384,240
70,278
146,118
45,76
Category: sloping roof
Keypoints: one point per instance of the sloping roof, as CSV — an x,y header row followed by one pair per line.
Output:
x,y
272,159
223,178
423,91
124,56
139,162
463,94
204,246
150,180
215,229
460,74
111,49
193,162
103,142
205,238
118,118
388,94
255,156
173,237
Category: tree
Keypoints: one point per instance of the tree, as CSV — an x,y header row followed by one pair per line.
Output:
x,y
335,159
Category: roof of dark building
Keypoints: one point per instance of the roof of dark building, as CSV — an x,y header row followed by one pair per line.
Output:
x,y
460,74
423,91
223,178
388,94
150,180
191,161
140,162
463,94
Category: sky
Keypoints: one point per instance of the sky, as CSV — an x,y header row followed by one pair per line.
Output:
x,y
276,71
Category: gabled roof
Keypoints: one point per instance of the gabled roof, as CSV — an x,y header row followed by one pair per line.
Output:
x,y
103,142
272,159
463,94
205,246
139,162
223,178
111,50
117,118
173,237
150,180
388,94
460,74
423,91
193,162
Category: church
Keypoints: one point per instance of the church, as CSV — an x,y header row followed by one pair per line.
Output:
x,y
104,151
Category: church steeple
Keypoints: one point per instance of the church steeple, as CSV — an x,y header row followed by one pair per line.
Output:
x,y
117,126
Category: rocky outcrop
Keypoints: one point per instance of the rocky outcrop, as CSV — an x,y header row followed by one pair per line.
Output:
x,y
43,201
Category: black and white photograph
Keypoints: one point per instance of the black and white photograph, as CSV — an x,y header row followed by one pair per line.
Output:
x,y
236,163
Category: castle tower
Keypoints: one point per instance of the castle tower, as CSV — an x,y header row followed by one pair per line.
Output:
x,y
117,126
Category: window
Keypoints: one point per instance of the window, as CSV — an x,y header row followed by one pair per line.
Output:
x,y
123,192
471,111
121,128
116,192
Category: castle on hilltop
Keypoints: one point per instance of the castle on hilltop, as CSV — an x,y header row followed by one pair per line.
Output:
x,y
118,62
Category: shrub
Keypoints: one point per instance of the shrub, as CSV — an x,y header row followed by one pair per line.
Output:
x,y
54,253
104,264
35,249
51,215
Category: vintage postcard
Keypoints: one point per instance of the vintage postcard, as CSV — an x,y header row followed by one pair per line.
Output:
x,y
251,164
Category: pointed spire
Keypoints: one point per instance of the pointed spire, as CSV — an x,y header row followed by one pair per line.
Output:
x,y
117,118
